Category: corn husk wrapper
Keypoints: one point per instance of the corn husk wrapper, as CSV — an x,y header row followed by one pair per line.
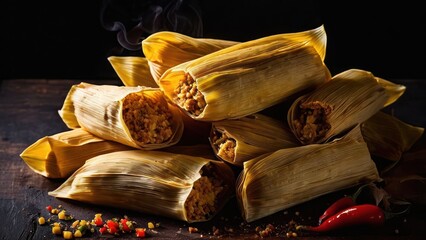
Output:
x,y
350,98
99,110
388,137
153,182
165,49
287,177
243,79
133,71
239,140
168,49
59,155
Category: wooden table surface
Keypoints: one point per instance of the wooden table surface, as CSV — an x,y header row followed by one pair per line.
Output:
x,y
28,111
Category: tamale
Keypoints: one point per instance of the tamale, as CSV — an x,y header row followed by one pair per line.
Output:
x,y
59,155
133,71
287,177
389,137
178,186
243,79
349,98
165,49
139,117
239,140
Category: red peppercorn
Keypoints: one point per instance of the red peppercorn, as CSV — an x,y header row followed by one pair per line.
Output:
x,y
49,208
140,232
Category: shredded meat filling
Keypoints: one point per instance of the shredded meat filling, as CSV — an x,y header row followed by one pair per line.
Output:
x,y
312,124
148,121
188,97
204,199
224,145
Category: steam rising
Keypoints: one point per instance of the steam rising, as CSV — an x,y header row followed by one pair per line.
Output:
x,y
146,17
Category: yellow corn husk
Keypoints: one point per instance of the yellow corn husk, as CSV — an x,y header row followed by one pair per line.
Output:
x,y
239,140
178,186
165,49
287,177
388,137
59,155
243,79
168,49
139,117
350,98
133,71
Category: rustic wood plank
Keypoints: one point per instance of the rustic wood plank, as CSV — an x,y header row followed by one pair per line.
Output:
x,y
28,111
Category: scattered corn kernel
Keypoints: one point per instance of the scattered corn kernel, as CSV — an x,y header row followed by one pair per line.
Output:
x,y
78,234
41,220
67,235
151,225
61,215
83,222
56,230
54,211
75,223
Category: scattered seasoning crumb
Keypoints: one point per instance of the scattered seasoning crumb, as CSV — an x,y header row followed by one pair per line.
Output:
x,y
396,231
192,229
297,213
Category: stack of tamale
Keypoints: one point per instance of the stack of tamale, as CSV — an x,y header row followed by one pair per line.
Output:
x,y
126,146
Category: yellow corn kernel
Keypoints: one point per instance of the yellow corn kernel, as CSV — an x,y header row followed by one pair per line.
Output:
x,y
83,222
67,234
41,220
151,225
75,223
78,234
56,230
61,215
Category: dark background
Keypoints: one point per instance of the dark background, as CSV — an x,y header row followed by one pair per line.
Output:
x,y
72,39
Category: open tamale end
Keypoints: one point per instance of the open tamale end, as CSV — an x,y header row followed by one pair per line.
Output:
x,y
59,155
243,79
133,71
388,137
282,179
348,99
188,188
239,140
139,117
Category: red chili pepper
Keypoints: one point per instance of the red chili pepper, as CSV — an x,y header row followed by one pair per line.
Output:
x,y
364,214
342,203
337,206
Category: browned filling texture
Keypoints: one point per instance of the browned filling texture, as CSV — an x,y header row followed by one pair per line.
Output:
x,y
224,146
188,97
148,121
206,195
312,123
